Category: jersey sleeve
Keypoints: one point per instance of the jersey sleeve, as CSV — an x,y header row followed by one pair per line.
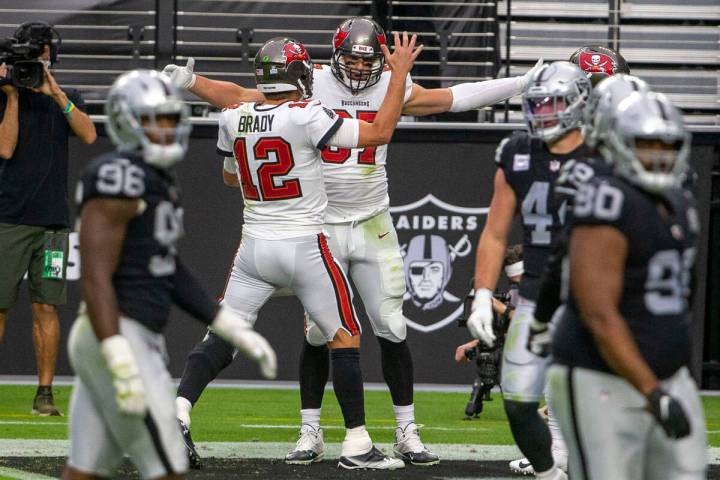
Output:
x,y
114,177
320,123
226,133
602,201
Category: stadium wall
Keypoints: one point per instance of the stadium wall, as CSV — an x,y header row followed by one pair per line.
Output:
x,y
440,184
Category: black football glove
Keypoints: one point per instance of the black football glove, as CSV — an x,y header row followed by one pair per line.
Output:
x,y
669,413
539,339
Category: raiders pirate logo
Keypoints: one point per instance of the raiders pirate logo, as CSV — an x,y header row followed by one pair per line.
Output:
x,y
436,241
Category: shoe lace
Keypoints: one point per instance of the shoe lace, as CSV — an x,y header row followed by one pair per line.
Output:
x,y
410,437
307,440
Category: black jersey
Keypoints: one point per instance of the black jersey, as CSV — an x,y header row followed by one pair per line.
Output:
x,y
531,170
144,276
661,235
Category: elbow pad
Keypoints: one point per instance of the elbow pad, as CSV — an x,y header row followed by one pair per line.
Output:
x,y
470,96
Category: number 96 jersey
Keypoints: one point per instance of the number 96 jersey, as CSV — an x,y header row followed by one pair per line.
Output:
x,y
532,170
145,274
661,234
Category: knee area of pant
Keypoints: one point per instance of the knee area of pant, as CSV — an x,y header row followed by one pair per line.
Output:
x,y
214,351
391,324
314,336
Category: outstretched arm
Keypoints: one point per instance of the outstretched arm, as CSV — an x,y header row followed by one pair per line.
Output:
x,y
466,96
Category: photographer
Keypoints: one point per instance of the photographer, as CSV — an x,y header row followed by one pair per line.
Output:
x,y
34,219
513,267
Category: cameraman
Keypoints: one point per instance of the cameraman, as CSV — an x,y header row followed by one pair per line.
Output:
x,y
513,267
34,218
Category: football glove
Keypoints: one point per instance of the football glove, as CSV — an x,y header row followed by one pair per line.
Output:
x,y
480,321
181,77
230,327
129,388
525,79
539,339
669,413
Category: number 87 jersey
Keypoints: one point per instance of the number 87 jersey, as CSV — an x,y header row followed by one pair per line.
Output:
x,y
276,155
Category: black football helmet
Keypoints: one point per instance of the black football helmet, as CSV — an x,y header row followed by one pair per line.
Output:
x,y
42,33
358,37
599,62
284,65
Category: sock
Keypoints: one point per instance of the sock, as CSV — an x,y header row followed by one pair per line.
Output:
x,y
311,417
357,442
44,390
404,415
314,372
397,368
559,449
205,362
348,385
182,410
531,433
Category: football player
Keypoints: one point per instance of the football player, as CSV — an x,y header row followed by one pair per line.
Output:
x,y
362,235
272,151
623,341
528,165
131,219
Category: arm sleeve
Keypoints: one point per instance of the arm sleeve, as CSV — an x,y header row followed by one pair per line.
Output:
x,y
191,297
226,137
347,135
321,123
469,96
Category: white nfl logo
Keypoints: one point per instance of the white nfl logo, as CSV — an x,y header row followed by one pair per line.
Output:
x,y
554,165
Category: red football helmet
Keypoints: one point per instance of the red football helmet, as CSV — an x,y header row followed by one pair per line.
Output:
x,y
599,62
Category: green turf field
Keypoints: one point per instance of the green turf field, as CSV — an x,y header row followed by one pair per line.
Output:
x,y
234,415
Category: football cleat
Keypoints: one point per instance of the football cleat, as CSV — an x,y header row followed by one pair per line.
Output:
x,y
374,459
310,447
44,404
409,448
522,467
192,454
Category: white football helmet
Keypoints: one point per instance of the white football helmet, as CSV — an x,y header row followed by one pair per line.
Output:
x,y
135,102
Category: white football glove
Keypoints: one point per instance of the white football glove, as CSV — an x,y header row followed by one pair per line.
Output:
x,y
235,330
129,388
181,77
480,321
525,79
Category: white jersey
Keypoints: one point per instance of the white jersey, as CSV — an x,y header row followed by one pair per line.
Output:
x,y
277,153
355,179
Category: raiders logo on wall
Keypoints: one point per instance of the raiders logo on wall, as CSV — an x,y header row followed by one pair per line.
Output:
x,y
435,241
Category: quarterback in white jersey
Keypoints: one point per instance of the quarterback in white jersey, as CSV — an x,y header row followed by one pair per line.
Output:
x,y
362,236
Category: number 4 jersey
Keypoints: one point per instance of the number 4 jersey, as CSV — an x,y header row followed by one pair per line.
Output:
x,y
144,277
661,234
277,152
531,171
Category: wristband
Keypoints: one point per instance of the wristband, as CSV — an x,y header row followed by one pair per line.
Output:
x,y
69,108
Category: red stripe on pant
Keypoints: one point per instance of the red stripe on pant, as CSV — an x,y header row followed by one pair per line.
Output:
x,y
342,291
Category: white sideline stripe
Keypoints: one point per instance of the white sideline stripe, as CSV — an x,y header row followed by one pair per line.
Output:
x,y
277,450
22,474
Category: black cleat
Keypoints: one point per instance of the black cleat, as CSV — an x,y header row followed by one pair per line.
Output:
x,y
192,454
44,403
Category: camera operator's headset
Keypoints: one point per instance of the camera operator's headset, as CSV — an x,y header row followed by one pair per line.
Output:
x,y
42,32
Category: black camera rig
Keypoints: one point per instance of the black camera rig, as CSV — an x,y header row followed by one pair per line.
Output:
x,y
20,54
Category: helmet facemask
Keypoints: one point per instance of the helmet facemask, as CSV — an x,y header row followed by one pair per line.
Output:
x,y
355,78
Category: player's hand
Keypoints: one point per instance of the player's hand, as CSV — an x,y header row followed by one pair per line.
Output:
x,y
539,339
129,388
669,413
181,77
525,79
403,58
480,321
460,356
6,88
235,330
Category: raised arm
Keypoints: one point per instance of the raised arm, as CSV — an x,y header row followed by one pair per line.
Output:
x,y
216,92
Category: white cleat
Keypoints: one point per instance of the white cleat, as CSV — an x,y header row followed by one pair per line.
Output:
x,y
522,467
310,447
372,460
409,448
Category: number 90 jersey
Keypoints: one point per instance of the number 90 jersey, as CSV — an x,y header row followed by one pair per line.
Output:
x,y
355,179
532,171
661,235
277,152
145,274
